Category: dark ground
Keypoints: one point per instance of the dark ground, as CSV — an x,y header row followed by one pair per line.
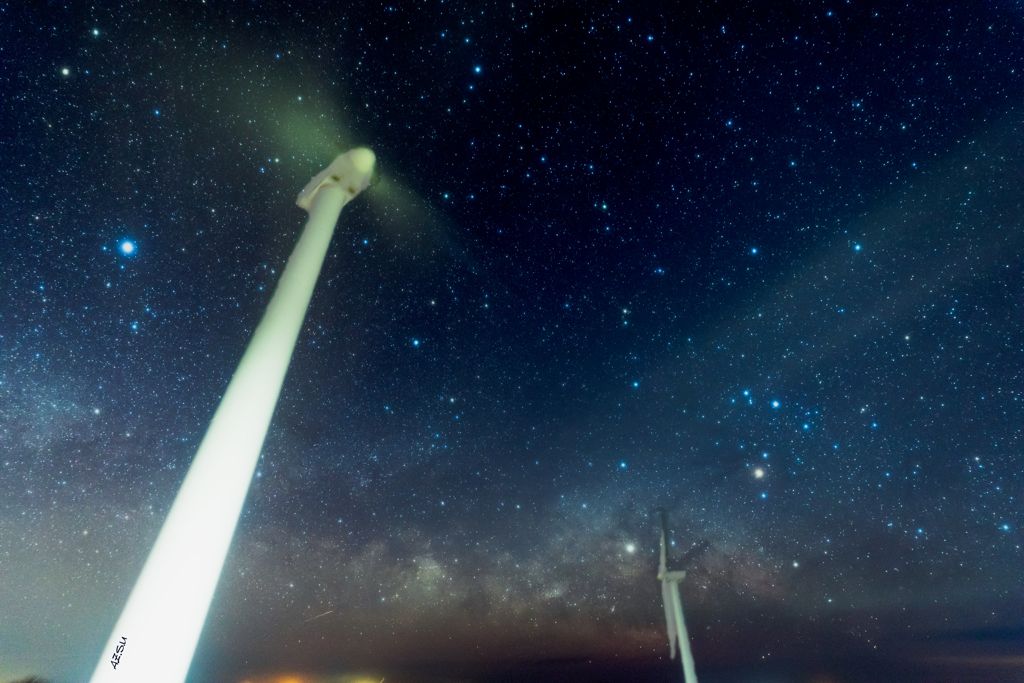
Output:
x,y
987,657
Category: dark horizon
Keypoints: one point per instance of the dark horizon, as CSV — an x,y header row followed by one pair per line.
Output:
x,y
937,658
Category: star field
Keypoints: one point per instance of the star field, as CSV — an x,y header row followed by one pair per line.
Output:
x,y
757,264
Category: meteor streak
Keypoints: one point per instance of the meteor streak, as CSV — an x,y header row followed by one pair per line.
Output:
x,y
156,635
316,617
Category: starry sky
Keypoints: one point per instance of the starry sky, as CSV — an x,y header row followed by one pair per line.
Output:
x,y
758,263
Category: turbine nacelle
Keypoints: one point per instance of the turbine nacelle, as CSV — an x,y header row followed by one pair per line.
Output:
x,y
351,172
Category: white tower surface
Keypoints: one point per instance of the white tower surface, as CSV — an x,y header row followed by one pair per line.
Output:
x,y
674,607
156,635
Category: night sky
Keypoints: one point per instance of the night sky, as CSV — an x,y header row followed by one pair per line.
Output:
x,y
758,263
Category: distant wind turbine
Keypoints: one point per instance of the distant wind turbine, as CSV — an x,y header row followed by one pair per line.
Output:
x,y
674,606
156,635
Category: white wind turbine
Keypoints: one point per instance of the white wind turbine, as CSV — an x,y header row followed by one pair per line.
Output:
x,y
156,635
674,607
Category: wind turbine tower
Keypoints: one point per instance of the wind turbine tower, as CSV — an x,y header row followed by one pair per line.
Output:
x,y
156,635
674,607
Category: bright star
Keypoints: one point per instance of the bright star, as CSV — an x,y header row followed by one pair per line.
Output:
x,y
127,247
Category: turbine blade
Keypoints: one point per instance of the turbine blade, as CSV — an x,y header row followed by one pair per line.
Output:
x,y
695,552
